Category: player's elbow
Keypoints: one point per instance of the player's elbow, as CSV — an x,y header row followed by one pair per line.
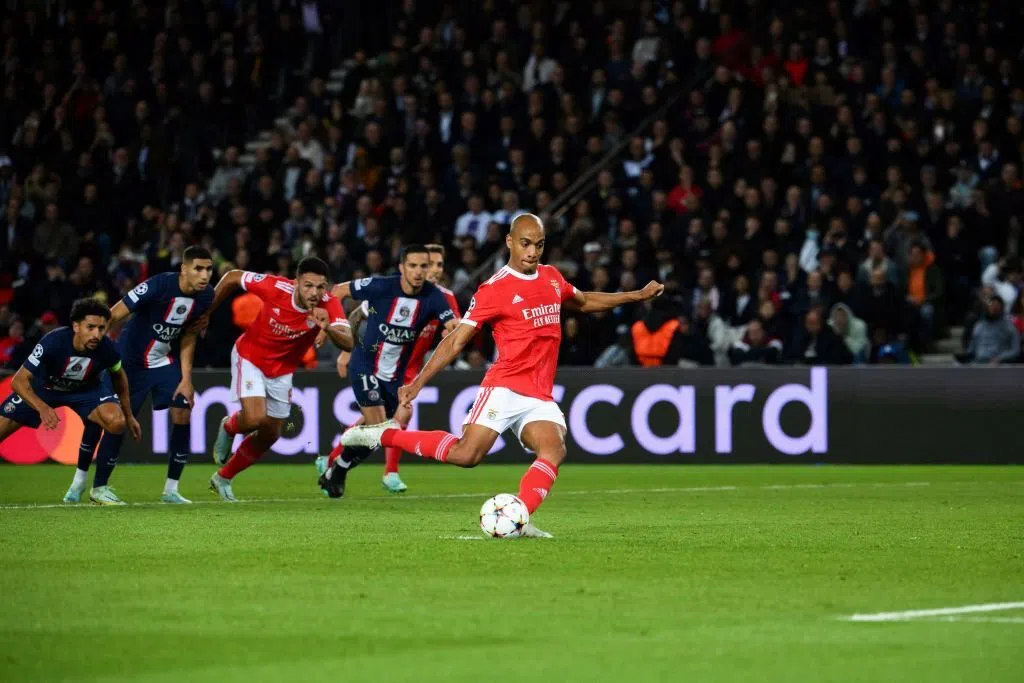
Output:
x,y
20,382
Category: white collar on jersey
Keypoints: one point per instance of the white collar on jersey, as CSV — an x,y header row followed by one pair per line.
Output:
x,y
297,307
522,276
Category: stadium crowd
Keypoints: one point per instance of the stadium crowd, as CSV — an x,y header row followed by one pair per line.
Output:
x,y
841,186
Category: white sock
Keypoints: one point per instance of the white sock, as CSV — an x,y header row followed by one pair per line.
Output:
x,y
171,486
81,477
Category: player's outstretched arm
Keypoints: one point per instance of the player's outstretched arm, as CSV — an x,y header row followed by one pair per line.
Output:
x,y
447,351
342,292
227,286
21,384
595,302
120,381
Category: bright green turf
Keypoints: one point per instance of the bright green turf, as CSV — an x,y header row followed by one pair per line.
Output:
x,y
746,584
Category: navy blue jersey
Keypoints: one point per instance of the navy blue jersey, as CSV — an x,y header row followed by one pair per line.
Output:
x,y
56,365
152,337
393,323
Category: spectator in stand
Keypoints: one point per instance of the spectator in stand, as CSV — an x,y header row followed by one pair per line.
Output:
x,y
925,292
9,343
656,338
852,330
756,347
994,339
817,344
474,222
784,145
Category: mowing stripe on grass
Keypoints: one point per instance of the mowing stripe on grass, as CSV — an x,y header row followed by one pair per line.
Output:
x,y
940,612
447,496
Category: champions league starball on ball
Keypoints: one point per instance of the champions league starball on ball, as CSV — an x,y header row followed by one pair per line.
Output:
x,y
504,516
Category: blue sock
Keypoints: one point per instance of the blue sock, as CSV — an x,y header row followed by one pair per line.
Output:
x,y
90,437
178,452
106,459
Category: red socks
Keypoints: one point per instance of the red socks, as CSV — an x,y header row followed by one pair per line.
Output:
x,y
536,483
335,454
248,453
231,426
391,457
424,444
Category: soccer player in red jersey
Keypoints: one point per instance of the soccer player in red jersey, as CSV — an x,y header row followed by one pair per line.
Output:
x,y
425,342
267,354
523,304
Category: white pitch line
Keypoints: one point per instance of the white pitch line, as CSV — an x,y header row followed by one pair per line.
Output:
x,y
980,620
453,496
940,612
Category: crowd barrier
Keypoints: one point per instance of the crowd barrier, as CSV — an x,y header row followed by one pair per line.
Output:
x,y
761,415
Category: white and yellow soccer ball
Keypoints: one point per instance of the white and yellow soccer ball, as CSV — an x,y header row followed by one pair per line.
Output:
x,y
504,516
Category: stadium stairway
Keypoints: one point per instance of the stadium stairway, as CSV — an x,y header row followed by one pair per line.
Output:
x,y
335,83
945,349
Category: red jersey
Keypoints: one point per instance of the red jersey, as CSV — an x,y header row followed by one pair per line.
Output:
x,y
525,313
425,341
282,332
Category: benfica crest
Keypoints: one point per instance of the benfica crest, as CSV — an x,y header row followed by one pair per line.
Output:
x,y
558,290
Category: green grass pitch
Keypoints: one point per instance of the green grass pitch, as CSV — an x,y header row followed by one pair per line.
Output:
x,y
655,574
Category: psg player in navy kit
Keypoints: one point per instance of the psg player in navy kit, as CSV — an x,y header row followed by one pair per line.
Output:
x,y
399,307
65,369
157,346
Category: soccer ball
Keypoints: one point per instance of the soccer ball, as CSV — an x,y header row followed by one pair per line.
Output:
x,y
504,516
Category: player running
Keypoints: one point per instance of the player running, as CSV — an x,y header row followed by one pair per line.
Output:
x,y
158,348
399,308
424,343
522,303
267,354
64,369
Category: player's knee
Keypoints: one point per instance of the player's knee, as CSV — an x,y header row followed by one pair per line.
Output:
x,y
269,427
115,424
554,455
464,454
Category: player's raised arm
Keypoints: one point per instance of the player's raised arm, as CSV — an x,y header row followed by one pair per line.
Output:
x,y
447,351
595,302
21,384
342,292
227,286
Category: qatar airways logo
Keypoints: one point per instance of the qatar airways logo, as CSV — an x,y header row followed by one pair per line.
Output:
x,y
550,314
166,333
397,335
636,425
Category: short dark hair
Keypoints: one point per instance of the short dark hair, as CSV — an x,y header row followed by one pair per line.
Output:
x,y
312,264
412,249
86,307
435,249
196,252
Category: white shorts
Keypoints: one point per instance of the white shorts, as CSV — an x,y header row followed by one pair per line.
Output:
x,y
249,381
499,409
